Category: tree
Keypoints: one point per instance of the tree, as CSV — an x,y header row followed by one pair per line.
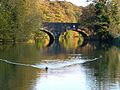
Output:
x,y
102,21
18,19
101,18
114,15
7,19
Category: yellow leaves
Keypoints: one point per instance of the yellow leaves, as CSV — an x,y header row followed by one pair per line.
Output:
x,y
56,11
71,39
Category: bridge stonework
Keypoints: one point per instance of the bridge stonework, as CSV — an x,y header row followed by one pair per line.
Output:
x,y
58,28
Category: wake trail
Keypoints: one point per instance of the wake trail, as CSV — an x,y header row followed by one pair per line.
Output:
x,y
52,65
19,64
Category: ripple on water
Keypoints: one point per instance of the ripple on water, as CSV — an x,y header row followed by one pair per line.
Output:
x,y
53,64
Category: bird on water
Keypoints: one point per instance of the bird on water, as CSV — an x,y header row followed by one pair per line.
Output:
x,y
46,68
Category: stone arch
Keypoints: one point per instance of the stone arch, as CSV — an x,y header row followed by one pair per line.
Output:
x,y
63,35
84,33
50,34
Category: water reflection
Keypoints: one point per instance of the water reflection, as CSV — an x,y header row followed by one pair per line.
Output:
x,y
13,77
71,40
105,72
69,78
92,67
42,39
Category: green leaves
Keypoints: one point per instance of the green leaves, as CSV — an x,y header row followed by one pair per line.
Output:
x,y
103,18
18,19
99,6
59,11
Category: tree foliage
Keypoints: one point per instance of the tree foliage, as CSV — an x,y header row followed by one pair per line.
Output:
x,y
18,19
59,11
114,14
102,17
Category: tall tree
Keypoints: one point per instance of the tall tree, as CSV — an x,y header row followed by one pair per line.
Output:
x,y
102,18
18,18
114,14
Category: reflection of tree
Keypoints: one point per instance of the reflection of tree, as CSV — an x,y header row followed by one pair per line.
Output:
x,y
104,72
29,54
41,39
71,39
13,77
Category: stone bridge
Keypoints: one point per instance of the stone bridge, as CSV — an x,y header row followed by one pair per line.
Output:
x,y
57,29
54,30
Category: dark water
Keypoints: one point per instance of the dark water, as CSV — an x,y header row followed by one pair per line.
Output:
x,y
90,67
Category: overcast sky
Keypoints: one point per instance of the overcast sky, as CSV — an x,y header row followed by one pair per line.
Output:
x,y
77,2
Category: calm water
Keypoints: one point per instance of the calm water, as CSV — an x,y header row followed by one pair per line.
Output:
x,y
90,67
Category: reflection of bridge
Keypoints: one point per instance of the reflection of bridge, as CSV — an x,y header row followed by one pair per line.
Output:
x,y
58,28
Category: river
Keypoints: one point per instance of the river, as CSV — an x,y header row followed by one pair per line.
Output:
x,y
89,67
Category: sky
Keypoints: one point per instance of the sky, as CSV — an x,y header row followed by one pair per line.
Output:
x,y
77,2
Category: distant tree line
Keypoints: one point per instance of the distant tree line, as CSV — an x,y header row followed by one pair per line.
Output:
x,y
19,19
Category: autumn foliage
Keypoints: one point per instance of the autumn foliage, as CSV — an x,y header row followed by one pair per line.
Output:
x,y
58,11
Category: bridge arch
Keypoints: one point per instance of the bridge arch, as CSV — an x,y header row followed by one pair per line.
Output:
x,y
50,34
83,33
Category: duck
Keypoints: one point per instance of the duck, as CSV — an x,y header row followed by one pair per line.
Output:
x,y
46,68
